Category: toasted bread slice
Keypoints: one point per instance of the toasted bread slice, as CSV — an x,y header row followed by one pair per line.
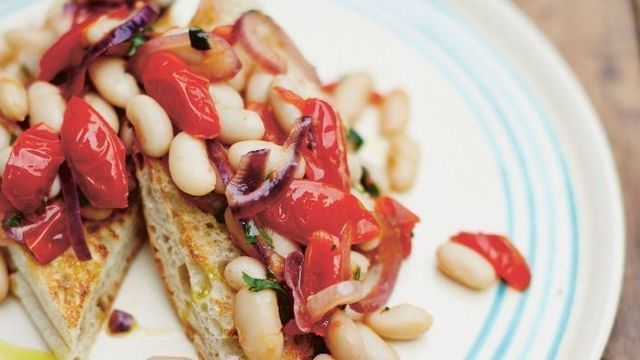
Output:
x,y
68,299
191,250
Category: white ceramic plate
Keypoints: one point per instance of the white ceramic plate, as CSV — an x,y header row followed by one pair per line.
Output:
x,y
510,144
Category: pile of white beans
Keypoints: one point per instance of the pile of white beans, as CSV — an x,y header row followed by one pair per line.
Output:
x,y
351,97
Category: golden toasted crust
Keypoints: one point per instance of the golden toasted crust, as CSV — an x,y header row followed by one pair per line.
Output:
x,y
68,289
184,237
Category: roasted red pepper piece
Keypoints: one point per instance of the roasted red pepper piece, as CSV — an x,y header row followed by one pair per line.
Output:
x,y
326,261
397,230
183,94
509,264
31,168
272,131
310,206
96,156
64,53
326,153
45,233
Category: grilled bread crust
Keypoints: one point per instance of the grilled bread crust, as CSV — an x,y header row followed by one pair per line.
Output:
x,y
191,250
68,300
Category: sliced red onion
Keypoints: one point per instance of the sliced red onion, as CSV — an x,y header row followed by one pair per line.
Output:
x,y
211,203
120,322
217,64
270,46
75,231
327,299
143,17
246,205
220,158
293,279
251,172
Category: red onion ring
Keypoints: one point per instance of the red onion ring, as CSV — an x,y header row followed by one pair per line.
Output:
x,y
220,158
75,230
270,46
327,299
246,205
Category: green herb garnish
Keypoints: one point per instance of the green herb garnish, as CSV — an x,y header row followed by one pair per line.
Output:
x,y
256,285
265,235
137,40
357,274
13,138
355,140
14,220
368,185
250,232
199,39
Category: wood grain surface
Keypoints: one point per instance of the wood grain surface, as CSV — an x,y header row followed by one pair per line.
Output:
x,y
598,38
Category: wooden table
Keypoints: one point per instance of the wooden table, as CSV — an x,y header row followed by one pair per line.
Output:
x,y
599,40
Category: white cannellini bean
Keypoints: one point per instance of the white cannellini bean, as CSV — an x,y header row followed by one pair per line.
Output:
x,y
32,40
128,136
401,322
56,187
285,113
276,155
97,30
4,279
352,94
239,82
355,168
374,347
465,266
258,86
224,95
152,125
14,104
282,245
113,82
243,264
394,112
258,323
323,357
4,157
5,137
369,245
46,105
189,165
105,110
359,261
91,213
343,338
238,124
403,162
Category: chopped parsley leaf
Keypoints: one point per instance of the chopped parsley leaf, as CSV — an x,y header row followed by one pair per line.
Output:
x,y
137,40
14,220
357,274
256,285
265,235
355,140
199,39
250,232
367,183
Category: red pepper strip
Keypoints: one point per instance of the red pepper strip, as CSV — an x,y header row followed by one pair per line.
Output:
x,y
96,156
509,264
325,262
45,234
401,219
272,131
326,153
290,97
31,168
67,52
183,94
75,231
309,206
387,258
